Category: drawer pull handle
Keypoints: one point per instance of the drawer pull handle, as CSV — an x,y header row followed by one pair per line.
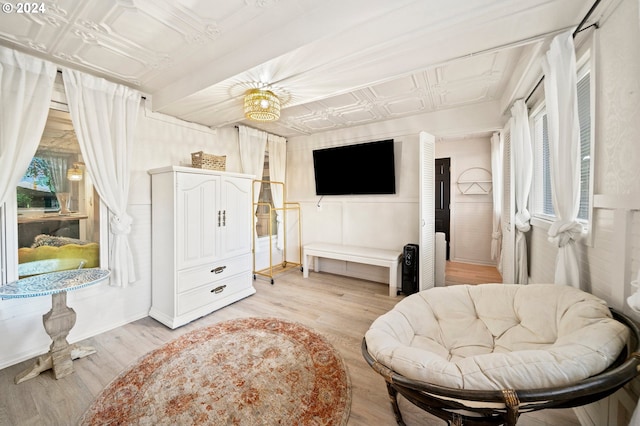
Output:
x,y
219,269
218,290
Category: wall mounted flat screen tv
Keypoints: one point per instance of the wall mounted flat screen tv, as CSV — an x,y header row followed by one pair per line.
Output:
x,y
361,169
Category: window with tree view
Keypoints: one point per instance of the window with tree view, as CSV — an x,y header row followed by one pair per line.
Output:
x,y
57,207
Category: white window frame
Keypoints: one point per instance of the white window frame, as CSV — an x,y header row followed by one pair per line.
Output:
x,y
536,200
585,63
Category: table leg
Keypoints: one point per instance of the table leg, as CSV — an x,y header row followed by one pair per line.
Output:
x,y
57,322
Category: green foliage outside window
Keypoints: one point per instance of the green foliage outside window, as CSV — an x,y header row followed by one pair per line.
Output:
x,y
24,200
40,172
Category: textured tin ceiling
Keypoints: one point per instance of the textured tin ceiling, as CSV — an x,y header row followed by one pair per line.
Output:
x,y
334,63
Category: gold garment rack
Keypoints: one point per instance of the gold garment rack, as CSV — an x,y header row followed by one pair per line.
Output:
x,y
285,264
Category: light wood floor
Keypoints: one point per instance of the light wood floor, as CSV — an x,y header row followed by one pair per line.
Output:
x,y
339,308
464,273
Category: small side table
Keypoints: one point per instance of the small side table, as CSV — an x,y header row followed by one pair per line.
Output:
x,y
59,320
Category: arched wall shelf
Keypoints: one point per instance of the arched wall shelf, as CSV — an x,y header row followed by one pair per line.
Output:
x,y
475,181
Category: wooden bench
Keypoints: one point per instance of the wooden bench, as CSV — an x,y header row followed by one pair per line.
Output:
x,y
370,256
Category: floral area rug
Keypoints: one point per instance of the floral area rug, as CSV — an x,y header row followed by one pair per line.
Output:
x,y
253,371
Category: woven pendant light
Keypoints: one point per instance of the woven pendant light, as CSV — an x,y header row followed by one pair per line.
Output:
x,y
261,105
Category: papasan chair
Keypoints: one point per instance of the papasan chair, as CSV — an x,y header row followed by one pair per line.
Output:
x,y
484,354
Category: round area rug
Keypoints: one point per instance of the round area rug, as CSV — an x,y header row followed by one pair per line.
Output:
x,y
253,371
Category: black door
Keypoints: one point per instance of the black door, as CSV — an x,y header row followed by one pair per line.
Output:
x,y
443,197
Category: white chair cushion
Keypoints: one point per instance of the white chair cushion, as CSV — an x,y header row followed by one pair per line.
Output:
x,y
498,336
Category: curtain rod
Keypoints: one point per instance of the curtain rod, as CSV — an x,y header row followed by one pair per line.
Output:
x,y
578,29
263,131
142,96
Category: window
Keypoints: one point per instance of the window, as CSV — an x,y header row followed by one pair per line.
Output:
x,y
54,205
262,212
542,197
37,188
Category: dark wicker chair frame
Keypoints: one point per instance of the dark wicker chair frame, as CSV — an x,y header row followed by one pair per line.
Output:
x,y
448,403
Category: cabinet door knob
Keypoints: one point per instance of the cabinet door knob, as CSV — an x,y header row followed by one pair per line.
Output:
x,y
219,218
219,269
224,218
218,289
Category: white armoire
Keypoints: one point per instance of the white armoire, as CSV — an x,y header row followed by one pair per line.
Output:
x,y
201,242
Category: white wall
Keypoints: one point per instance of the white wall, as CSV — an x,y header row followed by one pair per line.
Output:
x,y
384,221
471,214
617,157
381,221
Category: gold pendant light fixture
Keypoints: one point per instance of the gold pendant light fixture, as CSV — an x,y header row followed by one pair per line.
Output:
x,y
261,105
75,173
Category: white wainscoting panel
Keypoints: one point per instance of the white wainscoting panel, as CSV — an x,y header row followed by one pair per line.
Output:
x,y
472,235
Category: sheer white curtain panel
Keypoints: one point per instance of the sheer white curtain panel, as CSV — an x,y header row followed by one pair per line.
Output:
x,y
523,173
277,148
104,116
252,144
634,301
560,88
26,84
496,176
58,167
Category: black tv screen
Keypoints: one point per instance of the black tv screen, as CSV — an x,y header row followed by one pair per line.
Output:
x,y
366,168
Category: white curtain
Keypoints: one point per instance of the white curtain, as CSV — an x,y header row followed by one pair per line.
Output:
x,y
496,175
560,88
58,172
277,171
58,167
252,144
104,116
634,302
26,84
523,172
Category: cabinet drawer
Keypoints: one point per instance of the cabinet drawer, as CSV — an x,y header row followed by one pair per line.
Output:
x,y
212,293
212,272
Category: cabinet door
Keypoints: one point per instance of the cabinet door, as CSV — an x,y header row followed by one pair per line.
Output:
x,y
236,213
197,218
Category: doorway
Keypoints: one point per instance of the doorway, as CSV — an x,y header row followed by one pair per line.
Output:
x,y
443,198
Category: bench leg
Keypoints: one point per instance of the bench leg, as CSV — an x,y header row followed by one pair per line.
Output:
x,y
305,266
393,280
308,264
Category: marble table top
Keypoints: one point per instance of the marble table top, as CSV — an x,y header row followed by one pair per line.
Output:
x,y
53,282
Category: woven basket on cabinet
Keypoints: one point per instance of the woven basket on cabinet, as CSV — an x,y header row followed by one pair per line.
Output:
x,y
202,160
